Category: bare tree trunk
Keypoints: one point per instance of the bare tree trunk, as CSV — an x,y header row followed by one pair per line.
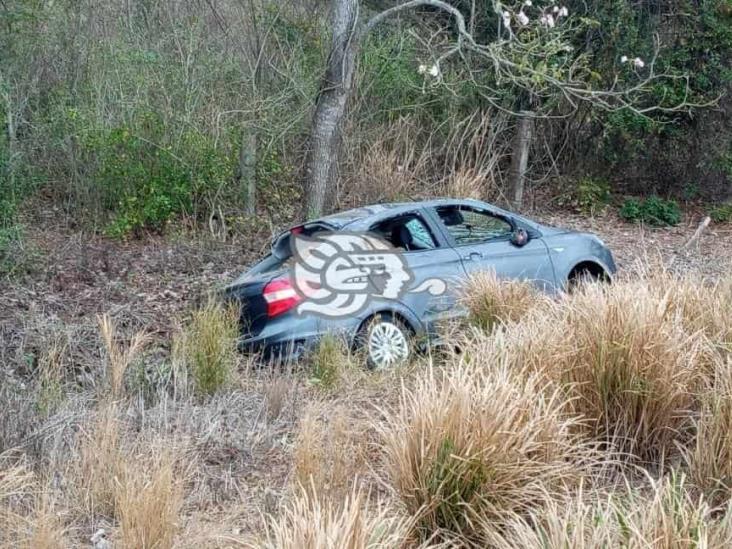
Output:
x,y
331,106
248,169
520,160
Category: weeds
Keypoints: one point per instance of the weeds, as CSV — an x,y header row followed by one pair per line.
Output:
x,y
209,346
710,457
329,361
330,451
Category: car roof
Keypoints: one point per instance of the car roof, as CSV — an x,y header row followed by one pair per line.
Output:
x,y
376,211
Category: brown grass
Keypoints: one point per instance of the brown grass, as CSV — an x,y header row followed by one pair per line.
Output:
x,y
661,515
710,458
330,451
492,301
309,523
630,367
28,514
100,463
148,500
624,358
468,447
119,356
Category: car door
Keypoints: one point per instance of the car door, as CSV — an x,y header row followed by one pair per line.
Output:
x,y
429,257
482,239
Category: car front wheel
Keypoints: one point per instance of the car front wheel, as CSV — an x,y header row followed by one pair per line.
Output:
x,y
386,341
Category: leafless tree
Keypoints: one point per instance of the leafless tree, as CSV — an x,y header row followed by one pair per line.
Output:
x,y
518,39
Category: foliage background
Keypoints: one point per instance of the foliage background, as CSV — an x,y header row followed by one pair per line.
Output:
x,y
131,115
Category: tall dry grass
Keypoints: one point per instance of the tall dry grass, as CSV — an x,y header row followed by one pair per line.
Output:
x,y
710,457
100,463
148,500
28,513
659,514
330,451
492,301
310,523
119,356
623,355
631,368
468,447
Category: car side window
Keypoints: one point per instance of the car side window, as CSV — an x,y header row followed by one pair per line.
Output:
x,y
469,226
408,233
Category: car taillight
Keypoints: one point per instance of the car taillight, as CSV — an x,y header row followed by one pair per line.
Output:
x,y
280,296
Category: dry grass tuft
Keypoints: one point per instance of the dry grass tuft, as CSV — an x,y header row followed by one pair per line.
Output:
x,y
310,523
661,516
704,307
140,489
28,518
277,393
148,500
469,447
630,367
330,452
208,346
119,356
710,458
100,463
492,301
466,183
624,357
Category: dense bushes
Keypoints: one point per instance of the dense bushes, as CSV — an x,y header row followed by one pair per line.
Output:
x,y
137,120
653,210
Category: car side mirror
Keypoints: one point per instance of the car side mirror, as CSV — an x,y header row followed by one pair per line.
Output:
x,y
519,237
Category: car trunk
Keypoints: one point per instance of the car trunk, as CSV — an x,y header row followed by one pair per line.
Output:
x,y
248,290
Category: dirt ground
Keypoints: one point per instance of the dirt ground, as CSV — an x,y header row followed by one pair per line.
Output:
x,y
149,282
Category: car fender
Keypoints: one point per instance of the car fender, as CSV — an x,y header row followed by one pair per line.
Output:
x,y
398,309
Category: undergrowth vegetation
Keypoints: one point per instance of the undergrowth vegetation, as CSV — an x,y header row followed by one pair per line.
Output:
x,y
597,419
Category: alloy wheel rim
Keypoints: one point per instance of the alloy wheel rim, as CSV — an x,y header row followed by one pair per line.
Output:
x,y
388,345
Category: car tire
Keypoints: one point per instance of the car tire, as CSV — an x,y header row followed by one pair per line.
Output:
x,y
585,276
386,341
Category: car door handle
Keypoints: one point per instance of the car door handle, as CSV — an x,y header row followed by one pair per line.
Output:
x,y
473,256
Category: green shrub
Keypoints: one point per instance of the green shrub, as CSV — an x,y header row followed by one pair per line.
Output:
x,y
209,346
592,195
654,211
328,361
722,213
144,178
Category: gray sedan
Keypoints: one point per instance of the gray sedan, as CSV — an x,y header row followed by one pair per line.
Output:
x,y
384,276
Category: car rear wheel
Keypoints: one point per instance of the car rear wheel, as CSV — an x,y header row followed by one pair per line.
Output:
x,y
386,341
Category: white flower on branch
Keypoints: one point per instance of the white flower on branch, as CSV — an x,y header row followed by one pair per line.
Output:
x,y
555,9
624,59
522,18
563,12
528,3
434,71
506,19
638,63
422,69
548,20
